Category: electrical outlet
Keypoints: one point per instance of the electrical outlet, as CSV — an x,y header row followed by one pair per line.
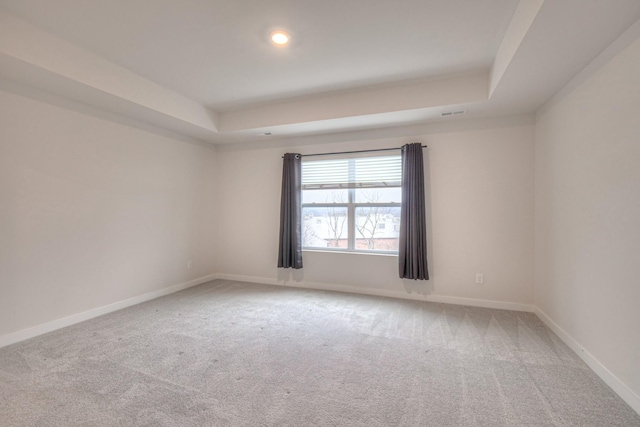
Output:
x,y
479,278
189,264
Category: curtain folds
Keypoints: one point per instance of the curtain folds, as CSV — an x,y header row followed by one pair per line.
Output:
x,y
290,249
412,253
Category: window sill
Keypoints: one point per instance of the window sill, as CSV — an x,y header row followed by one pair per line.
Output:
x,y
387,254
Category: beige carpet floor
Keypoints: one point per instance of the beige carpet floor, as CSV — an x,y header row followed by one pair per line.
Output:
x,y
238,354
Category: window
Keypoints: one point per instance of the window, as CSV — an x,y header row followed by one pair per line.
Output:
x,y
352,204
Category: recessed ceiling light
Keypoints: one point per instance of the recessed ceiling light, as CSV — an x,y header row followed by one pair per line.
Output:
x,y
279,37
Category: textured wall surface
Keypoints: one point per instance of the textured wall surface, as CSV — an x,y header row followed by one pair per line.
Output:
x,y
587,211
480,218
93,212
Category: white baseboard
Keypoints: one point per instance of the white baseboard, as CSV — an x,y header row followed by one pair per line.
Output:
x,y
605,374
25,334
503,305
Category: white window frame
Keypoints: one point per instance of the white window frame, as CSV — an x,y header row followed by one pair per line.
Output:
x,y
351,206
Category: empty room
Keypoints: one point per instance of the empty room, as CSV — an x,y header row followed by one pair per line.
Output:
x,y
319,213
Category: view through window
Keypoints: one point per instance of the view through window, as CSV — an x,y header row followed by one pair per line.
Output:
x,y
352,204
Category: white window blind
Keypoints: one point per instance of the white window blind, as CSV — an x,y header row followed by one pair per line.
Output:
x,y
367,172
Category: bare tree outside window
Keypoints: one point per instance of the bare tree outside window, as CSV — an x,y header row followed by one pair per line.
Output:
x,y
368,219
309,233
336,221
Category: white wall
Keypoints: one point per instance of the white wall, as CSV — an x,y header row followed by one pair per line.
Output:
x,y
481,219
587,248
93,212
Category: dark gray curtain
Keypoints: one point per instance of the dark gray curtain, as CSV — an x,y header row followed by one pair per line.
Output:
x,y
290,251
413,227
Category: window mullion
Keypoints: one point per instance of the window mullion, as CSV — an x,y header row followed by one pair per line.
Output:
x,y
352,219
352,209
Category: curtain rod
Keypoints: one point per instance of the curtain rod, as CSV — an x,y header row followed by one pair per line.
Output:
x,y
352,152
